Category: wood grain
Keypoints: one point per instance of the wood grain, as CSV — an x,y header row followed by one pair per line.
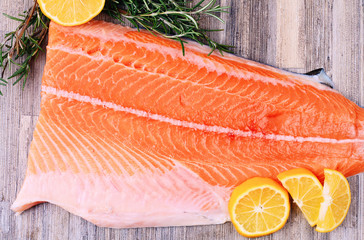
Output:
x,y
296,35
290,26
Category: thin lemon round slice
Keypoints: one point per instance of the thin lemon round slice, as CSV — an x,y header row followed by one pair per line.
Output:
x,y
337,198
306,191
258,207
71,12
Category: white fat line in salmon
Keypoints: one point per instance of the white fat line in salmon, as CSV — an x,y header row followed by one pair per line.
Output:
x,y
192,125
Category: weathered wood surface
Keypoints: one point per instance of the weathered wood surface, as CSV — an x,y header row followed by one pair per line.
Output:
x,y
293,34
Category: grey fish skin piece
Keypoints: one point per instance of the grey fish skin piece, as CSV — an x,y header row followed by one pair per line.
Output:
x,y
319,75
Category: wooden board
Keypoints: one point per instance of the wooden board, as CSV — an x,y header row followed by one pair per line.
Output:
x,y
292,34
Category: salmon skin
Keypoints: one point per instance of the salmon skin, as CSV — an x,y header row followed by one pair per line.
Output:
x,y
132,133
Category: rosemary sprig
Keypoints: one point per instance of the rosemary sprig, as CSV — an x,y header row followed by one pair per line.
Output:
x,y
170,18
22,45
174,19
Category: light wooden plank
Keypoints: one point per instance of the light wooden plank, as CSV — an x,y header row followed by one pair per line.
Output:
x,y
290,20
346,47
10,123
77,227
250,27
318,35
5,213
346,75
262,45
361,88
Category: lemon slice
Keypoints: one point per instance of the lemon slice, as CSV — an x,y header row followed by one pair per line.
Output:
x,y
71,12
306,191
258,207
337,198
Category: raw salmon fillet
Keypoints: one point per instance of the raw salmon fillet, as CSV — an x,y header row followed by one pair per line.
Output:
x,y
132,133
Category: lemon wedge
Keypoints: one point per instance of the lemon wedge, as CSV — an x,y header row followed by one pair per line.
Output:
x,y
306,191
259,206
71,12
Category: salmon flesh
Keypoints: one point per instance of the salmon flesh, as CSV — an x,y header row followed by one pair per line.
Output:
x,y
132,133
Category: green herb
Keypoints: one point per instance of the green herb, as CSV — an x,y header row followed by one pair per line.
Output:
x,y
171,19
174,19
22,45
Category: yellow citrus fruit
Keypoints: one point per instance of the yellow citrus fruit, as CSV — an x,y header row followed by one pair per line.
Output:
x,y
258,207
337,198
71,12
306,191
